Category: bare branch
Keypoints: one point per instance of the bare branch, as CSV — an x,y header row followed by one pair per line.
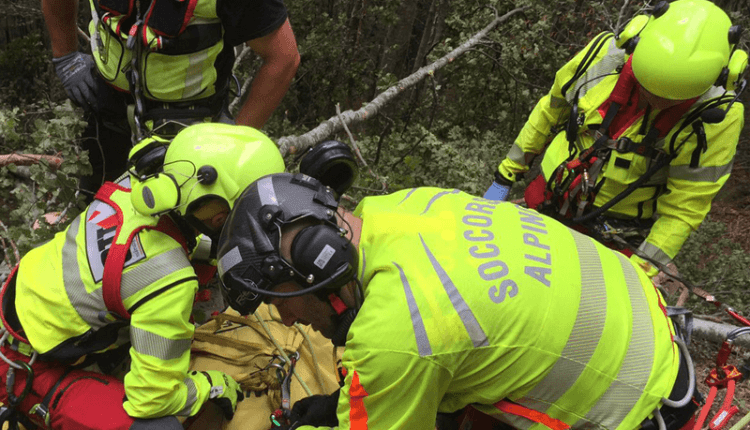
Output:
x,y
5,249
335,124
358,152
29,159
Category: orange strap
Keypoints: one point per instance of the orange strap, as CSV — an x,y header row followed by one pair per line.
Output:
x,y
530,414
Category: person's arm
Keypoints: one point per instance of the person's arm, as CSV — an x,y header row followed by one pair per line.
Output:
x,y
60,17
691,189
551,110
389,390
278,51
161,334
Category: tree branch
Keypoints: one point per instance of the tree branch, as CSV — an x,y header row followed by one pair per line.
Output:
x,y
335,124
29,159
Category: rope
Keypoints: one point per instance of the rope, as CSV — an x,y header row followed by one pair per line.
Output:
x,y
318,376
281,352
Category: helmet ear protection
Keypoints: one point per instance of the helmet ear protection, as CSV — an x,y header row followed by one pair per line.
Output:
x,y
321,252
155,194
629,36
147,158
731,75
332,163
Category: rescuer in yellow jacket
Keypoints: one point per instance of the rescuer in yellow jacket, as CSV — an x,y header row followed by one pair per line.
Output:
x,y
444,300
120,274
162,64
643,129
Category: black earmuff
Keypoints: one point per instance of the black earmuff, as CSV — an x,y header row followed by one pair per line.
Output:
x,y
731,74
320,252
332,163
149,159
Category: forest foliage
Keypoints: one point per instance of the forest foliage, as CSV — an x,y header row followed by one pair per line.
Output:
x,y
450,130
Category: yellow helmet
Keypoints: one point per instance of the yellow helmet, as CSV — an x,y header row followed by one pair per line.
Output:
x,y
682,51
203,161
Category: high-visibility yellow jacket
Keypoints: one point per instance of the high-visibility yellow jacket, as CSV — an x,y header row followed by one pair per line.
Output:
x,y
470,301
680,194
60,304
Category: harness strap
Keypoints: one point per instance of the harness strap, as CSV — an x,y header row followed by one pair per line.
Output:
x,y
118,252
42,409
511,408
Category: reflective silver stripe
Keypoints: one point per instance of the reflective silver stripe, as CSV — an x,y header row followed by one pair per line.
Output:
x,y
363,263
584,337
655,253
700,174
408,194
557,102
229,260
152,270
516,154
192,397
477,335
266,192
87,305
147,343
194,74
423,342
436,197
627,388
606,65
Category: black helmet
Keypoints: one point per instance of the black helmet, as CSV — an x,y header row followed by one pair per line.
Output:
x,y
323,259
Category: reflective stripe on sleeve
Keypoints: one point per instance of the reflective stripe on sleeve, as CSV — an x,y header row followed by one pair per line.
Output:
x,y
477,335
423,342
192,397
700,174
147,343
152,270
655,253
516,154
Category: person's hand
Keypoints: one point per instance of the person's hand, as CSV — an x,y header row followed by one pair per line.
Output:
x,y
74,71
499,189
318,411
224,391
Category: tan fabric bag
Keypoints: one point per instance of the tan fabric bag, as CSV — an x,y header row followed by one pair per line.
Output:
x,y
244,347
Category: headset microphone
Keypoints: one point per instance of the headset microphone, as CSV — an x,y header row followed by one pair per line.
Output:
x,y
317,287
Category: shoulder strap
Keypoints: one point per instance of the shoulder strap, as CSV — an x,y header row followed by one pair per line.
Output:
x,y
588,58
118,252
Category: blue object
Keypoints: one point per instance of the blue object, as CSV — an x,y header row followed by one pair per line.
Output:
x,y
497,192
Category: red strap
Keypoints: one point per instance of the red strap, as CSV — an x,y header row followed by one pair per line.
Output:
x,y
338,305
530,414
118,252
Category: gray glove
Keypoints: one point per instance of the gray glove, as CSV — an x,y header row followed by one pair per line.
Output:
x,y
74,71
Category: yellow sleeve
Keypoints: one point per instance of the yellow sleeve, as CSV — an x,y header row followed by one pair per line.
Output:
x,y
551,110
691,188
389,390
157,384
